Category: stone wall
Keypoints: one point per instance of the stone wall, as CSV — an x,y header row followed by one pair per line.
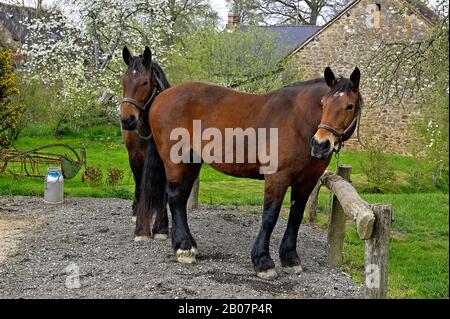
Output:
x,y
350,41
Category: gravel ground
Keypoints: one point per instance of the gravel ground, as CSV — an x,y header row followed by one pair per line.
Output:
x,y
43,246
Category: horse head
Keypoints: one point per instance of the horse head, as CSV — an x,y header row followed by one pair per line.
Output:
x,y
341,109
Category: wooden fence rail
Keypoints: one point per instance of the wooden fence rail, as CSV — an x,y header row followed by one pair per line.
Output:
x,y
373,224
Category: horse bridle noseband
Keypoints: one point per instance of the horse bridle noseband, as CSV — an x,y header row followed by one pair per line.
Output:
x,y
340,136
144,107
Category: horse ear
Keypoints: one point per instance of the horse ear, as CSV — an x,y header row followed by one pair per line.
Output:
x,y
126,55
354,78
147,56
329,77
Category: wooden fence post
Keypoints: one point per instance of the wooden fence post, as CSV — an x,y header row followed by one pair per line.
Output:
x,y
193,197
336,227
376,253
311,205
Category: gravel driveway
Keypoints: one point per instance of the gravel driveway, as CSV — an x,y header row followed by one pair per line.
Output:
x,y
43,247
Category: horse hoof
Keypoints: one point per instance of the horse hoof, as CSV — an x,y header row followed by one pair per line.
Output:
x,y
293,269
133,219
141,238
186,256
268,274
161,236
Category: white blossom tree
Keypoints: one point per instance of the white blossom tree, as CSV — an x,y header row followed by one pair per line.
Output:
x,y
78,51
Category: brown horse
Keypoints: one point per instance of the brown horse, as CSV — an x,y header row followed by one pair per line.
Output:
x,y
144,80
308,120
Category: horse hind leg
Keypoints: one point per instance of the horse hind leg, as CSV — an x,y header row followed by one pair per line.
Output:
x,y
273,199
180,181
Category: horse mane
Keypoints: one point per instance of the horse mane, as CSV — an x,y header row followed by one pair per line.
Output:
x,y
160,74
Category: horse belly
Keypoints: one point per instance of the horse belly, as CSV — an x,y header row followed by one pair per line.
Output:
x,y
245,170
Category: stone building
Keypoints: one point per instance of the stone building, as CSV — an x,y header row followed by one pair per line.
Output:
x,y
346,41
351,39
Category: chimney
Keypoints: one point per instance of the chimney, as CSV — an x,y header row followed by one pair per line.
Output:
x,y
233,20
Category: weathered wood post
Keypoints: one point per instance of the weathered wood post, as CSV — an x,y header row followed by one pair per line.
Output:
x,y
376,253
336,227
311,205
193,197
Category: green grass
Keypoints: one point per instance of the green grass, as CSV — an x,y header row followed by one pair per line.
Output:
x,y
418,264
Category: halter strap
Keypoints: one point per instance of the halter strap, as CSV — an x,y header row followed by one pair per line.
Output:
x,y
340,136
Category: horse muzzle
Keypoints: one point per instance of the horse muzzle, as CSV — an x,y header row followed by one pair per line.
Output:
x,y
129,123
321,149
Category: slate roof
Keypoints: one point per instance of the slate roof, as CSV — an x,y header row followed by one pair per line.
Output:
x,y
291,37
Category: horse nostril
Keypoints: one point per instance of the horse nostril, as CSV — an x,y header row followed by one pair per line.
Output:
x,y
325,145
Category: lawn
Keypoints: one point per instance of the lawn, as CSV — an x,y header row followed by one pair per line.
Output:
x,y
418,264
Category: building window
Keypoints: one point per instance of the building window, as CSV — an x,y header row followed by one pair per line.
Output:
x,y
373,19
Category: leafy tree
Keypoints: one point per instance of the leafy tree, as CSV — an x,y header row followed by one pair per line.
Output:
x,y
9,112
249,59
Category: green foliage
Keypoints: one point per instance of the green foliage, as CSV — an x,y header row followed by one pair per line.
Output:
x,y
95,175
378,169
433,132
10,113
114,176
245,59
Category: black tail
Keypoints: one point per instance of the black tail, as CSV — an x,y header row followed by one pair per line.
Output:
x,y
153,201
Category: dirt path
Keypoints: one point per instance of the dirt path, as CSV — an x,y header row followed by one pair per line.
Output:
x,y
42,247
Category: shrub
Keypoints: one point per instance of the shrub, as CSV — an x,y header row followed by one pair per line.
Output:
x,y
95,175
378,170
10,113
115,175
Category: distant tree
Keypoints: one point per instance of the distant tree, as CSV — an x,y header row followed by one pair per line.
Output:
x,y
298,12
246,11
248,60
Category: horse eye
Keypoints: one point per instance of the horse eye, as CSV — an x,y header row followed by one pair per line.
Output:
x,y
145,83
349,107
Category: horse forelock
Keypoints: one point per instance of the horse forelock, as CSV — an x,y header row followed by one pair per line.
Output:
x,y
136,65
344,85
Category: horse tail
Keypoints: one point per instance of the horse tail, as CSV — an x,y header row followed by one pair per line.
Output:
x,y
153,188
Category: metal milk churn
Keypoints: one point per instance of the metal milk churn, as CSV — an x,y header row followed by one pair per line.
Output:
x,y
54,186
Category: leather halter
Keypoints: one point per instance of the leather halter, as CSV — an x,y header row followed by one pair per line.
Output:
x,y
340,136
144,107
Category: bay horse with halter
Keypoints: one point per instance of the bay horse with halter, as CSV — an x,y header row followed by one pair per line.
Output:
x,y
144,80
311,119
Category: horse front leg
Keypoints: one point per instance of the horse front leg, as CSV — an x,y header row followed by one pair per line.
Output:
x,y
180,181
136,165
289,258
290,261
273,199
